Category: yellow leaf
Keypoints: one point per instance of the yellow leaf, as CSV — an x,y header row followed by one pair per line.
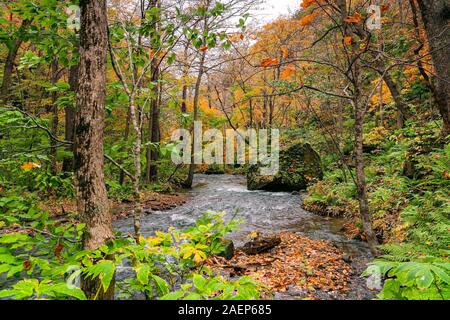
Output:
x,y
154,241
284,52
199,256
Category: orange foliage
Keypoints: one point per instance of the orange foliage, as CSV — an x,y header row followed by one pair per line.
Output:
x,y
355,18
30,165
267,62
307,3
289,71
307,20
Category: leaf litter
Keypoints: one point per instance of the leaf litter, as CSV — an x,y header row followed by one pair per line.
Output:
x,y
309,267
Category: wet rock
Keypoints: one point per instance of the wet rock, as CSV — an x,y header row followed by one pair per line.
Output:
x,y
228,251
299,166
215,169
261,245
347,258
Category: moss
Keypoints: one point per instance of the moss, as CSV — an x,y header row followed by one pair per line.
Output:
x,y
299,166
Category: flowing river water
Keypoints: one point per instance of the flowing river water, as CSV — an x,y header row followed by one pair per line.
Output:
x,y
268,212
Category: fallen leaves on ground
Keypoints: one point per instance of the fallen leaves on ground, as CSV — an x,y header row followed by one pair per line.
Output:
x,y
152,201
308,265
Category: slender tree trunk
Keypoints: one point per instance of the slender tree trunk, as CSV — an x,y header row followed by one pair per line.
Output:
x,y
190,178
136,122
9,63
55,120
70,119
185,81
361,178
436,17
403,113
154,130
126,135
93,206
250,112
359,111
426,79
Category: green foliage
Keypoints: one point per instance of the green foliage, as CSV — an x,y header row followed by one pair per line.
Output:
x,y
425,279
215,288
167,265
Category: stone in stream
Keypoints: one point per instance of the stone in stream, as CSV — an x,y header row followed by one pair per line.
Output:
x,y
261,244
228,251
299,166
215,169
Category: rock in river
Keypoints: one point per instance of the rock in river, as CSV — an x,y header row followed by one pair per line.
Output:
x,y
299,166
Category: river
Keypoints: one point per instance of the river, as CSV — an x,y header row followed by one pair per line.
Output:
x,y
267,212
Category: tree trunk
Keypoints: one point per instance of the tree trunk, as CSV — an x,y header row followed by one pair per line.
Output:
x,y
126,135
361,179
55,120
435,15
154,130
93,206
190,178
359,111
9,63
70,119
185,76
402,110
136,122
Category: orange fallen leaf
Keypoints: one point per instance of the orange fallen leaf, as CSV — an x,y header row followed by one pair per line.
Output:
x,y
203,49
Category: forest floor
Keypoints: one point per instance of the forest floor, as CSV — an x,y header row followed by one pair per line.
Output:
x,y
120,209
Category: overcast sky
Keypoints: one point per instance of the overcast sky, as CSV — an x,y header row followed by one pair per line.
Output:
x,y
272,9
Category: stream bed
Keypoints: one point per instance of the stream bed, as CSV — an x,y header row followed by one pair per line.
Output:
x,y
268,212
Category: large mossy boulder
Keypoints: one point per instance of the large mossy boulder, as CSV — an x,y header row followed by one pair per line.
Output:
x,y
299,166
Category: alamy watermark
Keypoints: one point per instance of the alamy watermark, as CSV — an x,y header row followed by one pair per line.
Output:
x,y
73,20
236,147
374,20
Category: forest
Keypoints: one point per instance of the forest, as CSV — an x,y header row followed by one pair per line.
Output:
x,y
136,139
